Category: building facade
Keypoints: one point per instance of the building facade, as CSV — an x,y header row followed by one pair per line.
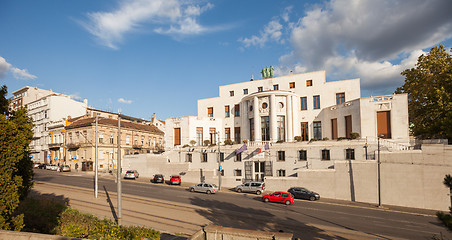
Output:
x,y
81,141
26,95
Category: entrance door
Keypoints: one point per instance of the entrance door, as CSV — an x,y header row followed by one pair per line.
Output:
x,y
176,136
384,124
259,171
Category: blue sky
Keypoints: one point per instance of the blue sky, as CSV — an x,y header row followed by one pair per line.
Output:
x,y
160,56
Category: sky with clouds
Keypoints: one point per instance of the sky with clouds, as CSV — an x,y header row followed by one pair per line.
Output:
x,y
160,56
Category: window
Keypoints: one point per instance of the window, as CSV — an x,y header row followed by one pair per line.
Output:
x,y
213,134
340,98
111,138
325,154
251,129
199,138
101,137
231,93
260,89
281,128
264,105
142,140
281,173
127,140
177,136
245,91
189,157
304,103
204,157
317,130
265,128
350,154
302,155
221,157
210,112
316,99
226,111
348,126
308,83
237,110
292,85
238,172
276,87
237,134
281,156
238,157
227,133
135,140
304,131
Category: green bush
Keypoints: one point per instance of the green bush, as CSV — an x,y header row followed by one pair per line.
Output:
x,y
228,142
354,135
445,218
297,138
206,142
186,145
80,225
280,141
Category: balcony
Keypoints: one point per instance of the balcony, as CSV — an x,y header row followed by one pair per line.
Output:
x,y
55,146
73,146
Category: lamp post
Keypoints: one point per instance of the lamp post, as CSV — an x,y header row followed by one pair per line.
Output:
x,y
118,174
378,171
96,178
219,162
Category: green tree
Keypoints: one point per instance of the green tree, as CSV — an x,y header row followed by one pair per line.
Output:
x,y
429,88
16,173
448,182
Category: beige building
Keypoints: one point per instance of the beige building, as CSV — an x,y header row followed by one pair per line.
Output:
x,y
81,141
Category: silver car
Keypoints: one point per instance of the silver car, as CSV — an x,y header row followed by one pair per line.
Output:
x,y
253,187
204,187
131,174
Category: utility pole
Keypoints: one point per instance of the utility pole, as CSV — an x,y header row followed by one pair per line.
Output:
x,y
379,184
219,162
96,179
118,175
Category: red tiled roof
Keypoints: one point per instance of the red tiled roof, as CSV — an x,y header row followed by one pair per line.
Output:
x,y
84,122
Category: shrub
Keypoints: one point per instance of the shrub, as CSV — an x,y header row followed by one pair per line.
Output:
x,y
297,138
228,142
445,218
354,135
325,139
206,142
192,142
75,224
186,145
245,141
280,141
341,138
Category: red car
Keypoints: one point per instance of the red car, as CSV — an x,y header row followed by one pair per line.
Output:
x,y
281,197
175,179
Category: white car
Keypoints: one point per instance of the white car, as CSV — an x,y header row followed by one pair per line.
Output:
x,y
204,187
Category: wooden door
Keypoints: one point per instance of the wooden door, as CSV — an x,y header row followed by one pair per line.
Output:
x,y
384,124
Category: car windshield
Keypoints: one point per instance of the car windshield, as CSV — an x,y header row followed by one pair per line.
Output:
x,y
175,177
129,172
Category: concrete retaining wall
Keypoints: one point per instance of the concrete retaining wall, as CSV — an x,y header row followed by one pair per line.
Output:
x,y
225,233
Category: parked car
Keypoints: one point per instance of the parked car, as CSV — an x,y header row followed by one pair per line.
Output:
x,y
65,168
281,197
303,193
175,179
48,166
158,178
254,187
42,166
131,174
204,187
36,165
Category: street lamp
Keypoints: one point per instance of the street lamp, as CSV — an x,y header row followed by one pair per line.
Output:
x,y
219,162
378,171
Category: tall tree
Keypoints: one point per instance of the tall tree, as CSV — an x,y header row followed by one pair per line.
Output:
x,y
16,173
429,88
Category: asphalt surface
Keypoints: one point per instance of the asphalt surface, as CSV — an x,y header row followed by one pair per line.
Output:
x,y
324,219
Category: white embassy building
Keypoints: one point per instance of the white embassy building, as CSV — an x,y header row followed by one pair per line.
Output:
x,y
287,123
281,108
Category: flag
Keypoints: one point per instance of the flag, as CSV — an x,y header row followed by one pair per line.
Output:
x,y
241,149
266,147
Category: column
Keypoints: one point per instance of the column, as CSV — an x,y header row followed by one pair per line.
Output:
x,y
244,128
257,120
273,122
289,137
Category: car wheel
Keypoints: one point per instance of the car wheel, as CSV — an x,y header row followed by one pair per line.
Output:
x,y
266,200
312,198
208,192
258,192
287,202
239,190
192,189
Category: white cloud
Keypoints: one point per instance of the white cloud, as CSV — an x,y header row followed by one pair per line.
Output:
x,y
4,67
21,74
165,16
371,40
122,100
271,32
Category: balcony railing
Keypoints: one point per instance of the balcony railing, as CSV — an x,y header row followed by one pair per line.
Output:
x,y
73,146
55,145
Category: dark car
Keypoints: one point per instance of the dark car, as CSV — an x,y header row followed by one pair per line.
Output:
x,y
303,193
158,178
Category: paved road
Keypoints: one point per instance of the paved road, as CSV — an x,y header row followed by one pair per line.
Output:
x,y
307,220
